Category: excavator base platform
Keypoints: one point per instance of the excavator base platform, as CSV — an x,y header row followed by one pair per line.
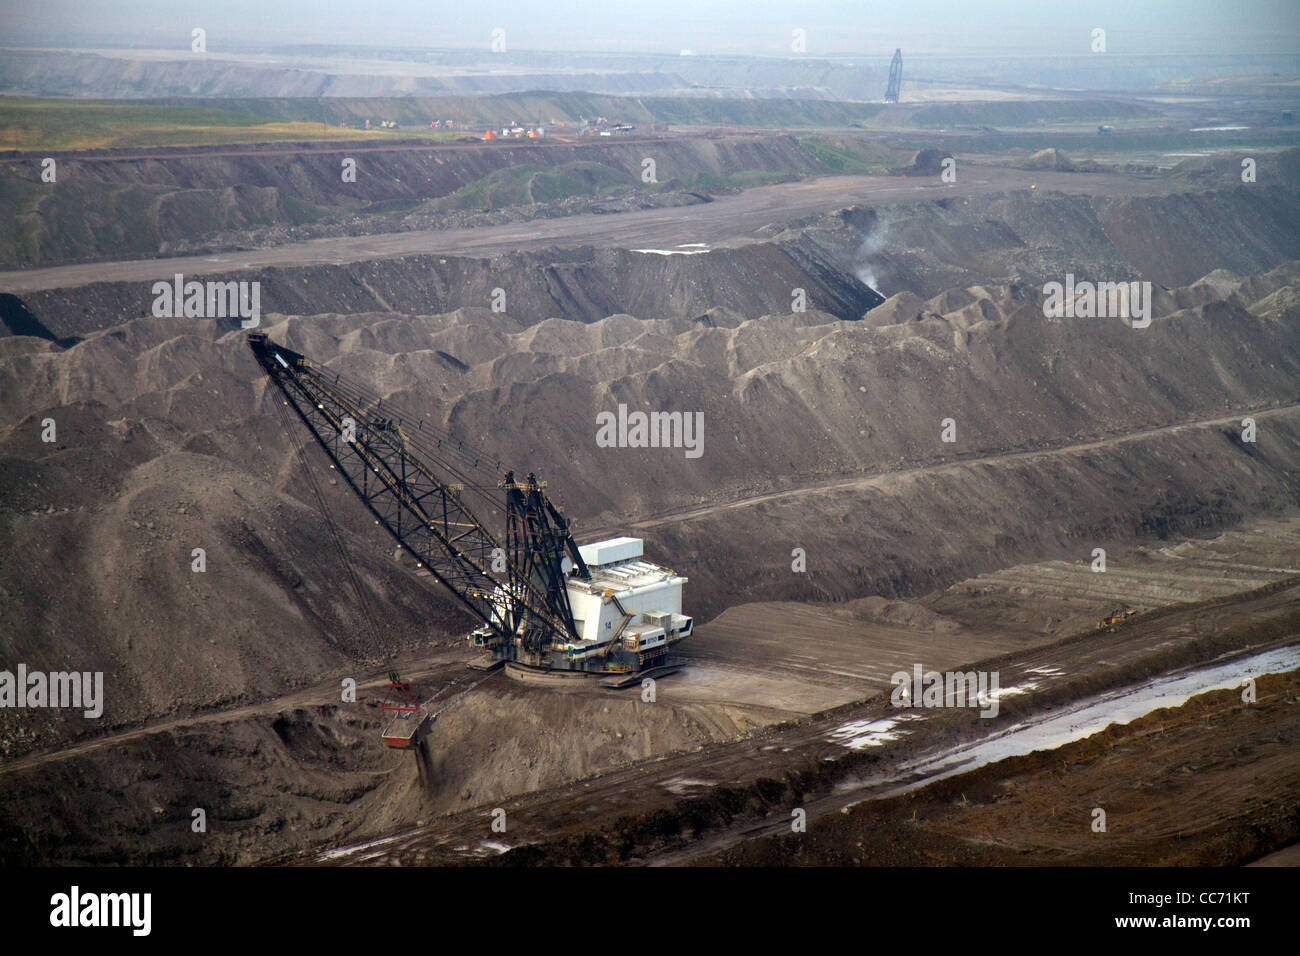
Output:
x,y
526,674
558,678
619,681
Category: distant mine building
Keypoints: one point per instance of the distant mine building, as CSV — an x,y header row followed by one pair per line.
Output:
x,y
895,87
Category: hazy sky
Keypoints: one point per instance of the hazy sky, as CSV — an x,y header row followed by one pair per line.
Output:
x,y
1049,27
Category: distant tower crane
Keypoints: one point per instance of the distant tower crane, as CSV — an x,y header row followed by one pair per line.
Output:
x,y
895,78
539,599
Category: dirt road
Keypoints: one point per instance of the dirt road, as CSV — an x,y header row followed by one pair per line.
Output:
x,y
342,147
865,481
727,221
442,672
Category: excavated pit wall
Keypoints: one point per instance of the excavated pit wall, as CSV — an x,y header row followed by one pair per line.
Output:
x,y
921,249
169,440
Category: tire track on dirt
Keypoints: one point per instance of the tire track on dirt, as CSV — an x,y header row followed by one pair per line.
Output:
x,y
316,696
867,481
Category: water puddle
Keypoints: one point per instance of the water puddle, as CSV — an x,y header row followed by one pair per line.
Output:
x,y
685,249
1083,719
347,851
860,734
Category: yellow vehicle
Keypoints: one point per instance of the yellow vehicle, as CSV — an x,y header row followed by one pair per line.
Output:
x,y
1117,616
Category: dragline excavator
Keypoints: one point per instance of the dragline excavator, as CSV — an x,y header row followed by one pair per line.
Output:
x,y
541,601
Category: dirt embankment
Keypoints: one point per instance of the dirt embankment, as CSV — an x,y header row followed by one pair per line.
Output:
x,y
168,205
282,778
924,248
583,284
1171,240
